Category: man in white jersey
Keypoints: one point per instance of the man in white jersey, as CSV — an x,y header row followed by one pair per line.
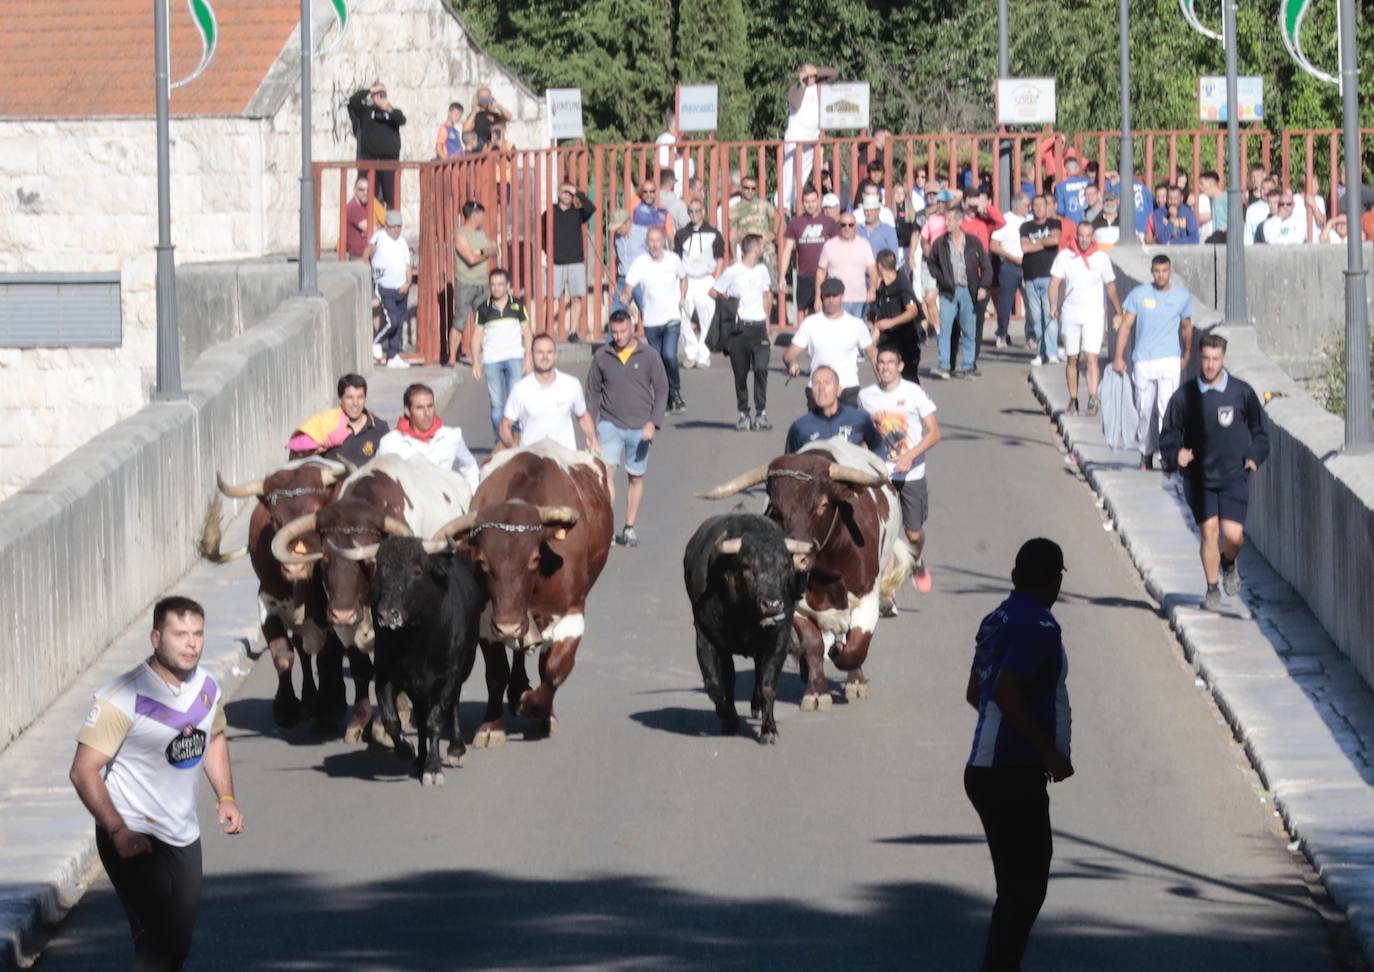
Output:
x,y
1079,278
905,418
544,403
136,755
422,432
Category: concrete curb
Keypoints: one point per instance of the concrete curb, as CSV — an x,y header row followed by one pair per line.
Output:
x,y
47,846
1293,700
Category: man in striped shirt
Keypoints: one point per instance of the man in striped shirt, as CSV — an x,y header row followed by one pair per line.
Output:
x,y
1018,685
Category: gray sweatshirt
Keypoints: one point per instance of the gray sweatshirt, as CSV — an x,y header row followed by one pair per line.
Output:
x,y
627,394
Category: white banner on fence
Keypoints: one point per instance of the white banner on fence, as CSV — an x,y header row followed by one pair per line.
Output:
x,y
697,107
844,105
564,107
1211,98
1025,101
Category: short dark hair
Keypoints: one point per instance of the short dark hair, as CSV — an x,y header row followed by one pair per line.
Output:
x,y
453,104
352,381
1162,185
1039,561
874,164
889,350
810,190
620,315
543,336
1161,260
753,239
472,206
178,605
667,175
1213,341
1210,174
497,272
415,389
886,259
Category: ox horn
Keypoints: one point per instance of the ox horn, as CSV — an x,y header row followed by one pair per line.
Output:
x,y
458,525
393,527
281,543
799,546
434,546
729,546
557,515
367,551
856,477
737,485
241,490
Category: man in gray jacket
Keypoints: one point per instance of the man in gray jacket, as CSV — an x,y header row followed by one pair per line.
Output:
x,y
627,394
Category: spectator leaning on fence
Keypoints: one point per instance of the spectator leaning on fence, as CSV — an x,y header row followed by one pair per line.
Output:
x,y
572,212
448,143
359,217
377,129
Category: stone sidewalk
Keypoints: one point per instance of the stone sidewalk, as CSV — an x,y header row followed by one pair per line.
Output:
x,y
1296,703
47,845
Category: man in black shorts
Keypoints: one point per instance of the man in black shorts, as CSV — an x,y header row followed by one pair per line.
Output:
x,y
146,734
1214,435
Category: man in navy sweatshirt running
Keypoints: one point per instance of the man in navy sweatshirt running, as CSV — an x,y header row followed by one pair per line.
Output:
x,y
1214,435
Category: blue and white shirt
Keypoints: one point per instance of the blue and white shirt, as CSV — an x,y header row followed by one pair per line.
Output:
x,y
1021,637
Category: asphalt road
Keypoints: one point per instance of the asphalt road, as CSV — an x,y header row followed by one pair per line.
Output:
x,y
637,839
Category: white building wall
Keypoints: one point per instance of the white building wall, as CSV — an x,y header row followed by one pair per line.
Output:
x,y
81,195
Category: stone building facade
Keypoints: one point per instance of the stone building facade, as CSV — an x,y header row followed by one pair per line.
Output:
x,y
78,167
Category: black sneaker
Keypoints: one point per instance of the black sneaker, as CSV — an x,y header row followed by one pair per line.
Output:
x,y
743,424
1094,403
1211,601
1230,578
1147,463
761,423
573,338
1073,407
628,537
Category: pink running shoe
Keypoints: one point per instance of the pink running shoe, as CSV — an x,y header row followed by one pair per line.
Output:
x,y
920,579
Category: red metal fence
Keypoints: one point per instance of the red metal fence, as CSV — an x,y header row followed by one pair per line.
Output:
x,y
518,189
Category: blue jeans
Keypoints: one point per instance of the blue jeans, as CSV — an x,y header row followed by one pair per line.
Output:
x,y
1009,283
393,320
960,306
664,340
857,308
501,377
1042,332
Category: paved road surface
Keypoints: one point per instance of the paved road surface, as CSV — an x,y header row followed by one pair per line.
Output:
x,y
637,839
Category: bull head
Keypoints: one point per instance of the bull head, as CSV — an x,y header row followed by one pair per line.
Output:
x,y
330,473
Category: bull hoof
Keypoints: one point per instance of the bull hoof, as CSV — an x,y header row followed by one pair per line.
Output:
x,y
489,738
816,702
286,711
403,710
855,690
405,752
756,710
432,779
824,702
353,732
454,756
768,737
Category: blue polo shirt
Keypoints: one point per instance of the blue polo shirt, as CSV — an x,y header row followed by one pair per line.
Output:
x,y
1158,316
853,423
1021,637
881,237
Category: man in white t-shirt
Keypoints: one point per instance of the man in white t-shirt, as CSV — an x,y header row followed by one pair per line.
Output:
x,y
662,277
389,255
1006,245
749,282
1288,224
833,338
1079,278
905,418
422,432
135,770
544,403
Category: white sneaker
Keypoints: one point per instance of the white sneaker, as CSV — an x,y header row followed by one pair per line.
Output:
x,y
398,362
378,355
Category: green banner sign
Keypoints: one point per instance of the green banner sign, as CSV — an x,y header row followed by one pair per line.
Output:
x,y
1291,14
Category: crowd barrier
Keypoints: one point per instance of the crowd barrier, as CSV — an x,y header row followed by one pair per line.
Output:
x,y
519,187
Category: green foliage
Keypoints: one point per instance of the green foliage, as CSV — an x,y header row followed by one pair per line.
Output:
x,y
930,62
1329,386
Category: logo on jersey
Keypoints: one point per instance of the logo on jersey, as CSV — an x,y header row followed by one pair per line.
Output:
x,y
1226,415
186,750
93,716
368,448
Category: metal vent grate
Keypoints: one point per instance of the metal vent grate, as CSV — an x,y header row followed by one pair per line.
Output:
x,y
60,310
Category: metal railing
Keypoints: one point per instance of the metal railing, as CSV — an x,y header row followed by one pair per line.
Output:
x,y
519,188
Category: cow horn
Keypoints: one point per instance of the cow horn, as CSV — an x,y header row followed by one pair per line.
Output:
x,y
729,546
557,515
737,485
281,543
332,470
799,546
241,490
367,551
457,525
856,477
434,546
395,528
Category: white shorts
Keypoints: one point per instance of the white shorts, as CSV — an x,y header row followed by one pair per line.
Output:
x,y
1082,335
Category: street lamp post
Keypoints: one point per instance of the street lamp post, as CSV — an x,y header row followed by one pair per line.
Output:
x,y
306,271
1126,167
1359,437
168,387
1003,71
1236,310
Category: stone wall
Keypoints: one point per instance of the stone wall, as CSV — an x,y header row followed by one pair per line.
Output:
x,y
81,195
95,539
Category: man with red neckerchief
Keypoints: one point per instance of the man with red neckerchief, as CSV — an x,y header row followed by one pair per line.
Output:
x,y
1080,276
422,432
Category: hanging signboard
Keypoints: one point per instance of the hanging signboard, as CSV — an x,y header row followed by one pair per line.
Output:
x,y
844,105
564,107
1025,101
697,107
1211,99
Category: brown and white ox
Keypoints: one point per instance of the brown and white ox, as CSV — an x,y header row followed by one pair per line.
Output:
x,y
291,606
539,533
390,496
835,496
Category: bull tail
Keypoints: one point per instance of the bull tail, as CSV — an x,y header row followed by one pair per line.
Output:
x,y
897,570
211,536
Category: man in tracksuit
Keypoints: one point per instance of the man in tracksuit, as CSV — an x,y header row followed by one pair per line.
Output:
x,y
1214,435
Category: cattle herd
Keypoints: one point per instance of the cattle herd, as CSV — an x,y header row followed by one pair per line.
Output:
x,y
400,568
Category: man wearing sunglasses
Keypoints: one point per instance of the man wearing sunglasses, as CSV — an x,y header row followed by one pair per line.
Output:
x,y
1288,224
849,259
755,217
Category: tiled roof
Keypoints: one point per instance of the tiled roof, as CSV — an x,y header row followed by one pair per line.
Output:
x,y
87,58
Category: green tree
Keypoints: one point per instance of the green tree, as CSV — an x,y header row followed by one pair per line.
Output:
x,y
711,45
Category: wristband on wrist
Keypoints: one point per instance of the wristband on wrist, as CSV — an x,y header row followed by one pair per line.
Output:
x,y
227,798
